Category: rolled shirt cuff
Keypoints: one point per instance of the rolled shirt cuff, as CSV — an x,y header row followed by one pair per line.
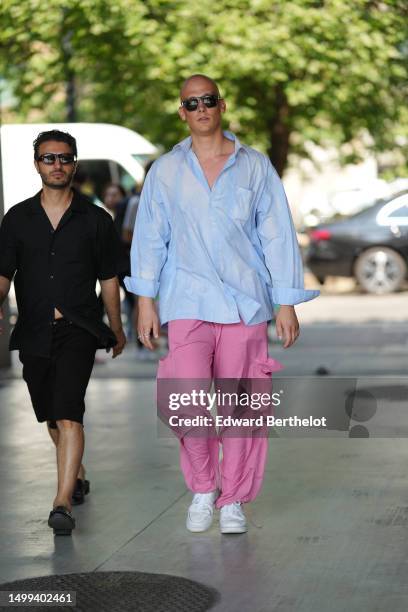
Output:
x,y
290,296
141,286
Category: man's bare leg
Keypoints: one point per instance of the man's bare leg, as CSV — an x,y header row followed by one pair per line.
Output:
x,y
70,449
54,435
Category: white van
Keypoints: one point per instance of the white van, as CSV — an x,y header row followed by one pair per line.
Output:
x,y
106,153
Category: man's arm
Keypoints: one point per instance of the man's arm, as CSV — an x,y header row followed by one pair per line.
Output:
x,y
8,258
4,289
109,264
148,255
111,300
282,255
147,321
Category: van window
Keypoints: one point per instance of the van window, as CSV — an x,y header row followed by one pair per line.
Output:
x,y
124,178
95,174
143,158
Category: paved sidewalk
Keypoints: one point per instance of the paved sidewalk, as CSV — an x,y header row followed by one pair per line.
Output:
x,y
328,531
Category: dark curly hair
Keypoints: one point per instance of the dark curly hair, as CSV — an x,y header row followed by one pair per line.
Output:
x,y
55,135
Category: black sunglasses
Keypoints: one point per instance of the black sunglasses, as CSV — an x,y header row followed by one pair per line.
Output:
x,y
51,158
209,100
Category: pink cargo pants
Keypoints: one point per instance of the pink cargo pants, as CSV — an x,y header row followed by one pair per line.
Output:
x,y
204,350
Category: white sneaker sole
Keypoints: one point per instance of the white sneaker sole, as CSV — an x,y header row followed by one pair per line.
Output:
x,y
196,528
242,529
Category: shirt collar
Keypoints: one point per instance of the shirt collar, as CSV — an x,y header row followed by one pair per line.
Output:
x,y
35,208
185,145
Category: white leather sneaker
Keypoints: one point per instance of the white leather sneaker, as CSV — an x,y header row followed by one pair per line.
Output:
x,y
201,512
232,519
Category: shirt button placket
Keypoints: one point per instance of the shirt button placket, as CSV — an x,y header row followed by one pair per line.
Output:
x,y
51,276
52,252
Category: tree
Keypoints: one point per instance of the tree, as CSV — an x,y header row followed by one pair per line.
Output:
x,y
292,71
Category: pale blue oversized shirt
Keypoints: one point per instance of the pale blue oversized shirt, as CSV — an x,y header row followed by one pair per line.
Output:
x,y
220,254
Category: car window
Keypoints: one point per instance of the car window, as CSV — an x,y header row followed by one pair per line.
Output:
x,y
125,179
369,211
394,212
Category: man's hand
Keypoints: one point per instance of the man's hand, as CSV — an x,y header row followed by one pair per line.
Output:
x,y
147,321
111,300
287,325
121,341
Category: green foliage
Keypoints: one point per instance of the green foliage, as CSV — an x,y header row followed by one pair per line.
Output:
x,y
292,71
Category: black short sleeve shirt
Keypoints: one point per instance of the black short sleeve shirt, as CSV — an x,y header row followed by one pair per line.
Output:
x,y
57,268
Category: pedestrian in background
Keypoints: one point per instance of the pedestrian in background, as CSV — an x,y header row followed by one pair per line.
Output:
x,y
127,236
116,201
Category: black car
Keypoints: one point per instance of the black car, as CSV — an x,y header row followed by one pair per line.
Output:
x,y
371,246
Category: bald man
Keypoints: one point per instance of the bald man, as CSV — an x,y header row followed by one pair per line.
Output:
x,y
215,239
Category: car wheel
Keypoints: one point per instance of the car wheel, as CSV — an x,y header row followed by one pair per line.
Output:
x,y
380,270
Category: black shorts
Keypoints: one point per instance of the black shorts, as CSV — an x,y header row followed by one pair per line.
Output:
x,y
57,384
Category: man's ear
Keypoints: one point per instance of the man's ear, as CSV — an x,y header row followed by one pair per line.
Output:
x,y
223,106
182,113
37,167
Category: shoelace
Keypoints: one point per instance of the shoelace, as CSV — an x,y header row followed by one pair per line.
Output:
x,y
201,499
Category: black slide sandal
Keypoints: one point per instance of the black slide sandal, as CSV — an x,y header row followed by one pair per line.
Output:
x,y
61,521
82,488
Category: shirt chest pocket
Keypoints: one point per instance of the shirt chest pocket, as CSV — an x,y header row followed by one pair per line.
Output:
x,y
241,205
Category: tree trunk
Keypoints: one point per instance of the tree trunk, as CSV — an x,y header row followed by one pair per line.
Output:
x,y
279,131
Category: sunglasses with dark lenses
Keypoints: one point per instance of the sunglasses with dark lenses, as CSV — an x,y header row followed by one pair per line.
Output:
x,y
191,104
51,158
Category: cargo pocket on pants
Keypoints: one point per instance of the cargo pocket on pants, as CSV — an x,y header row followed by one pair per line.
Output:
x,y
265,368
